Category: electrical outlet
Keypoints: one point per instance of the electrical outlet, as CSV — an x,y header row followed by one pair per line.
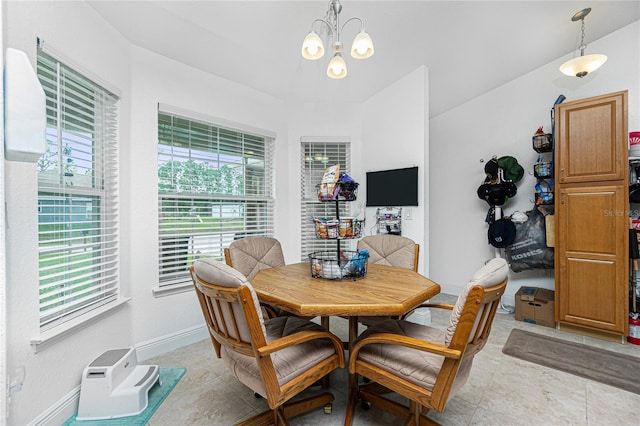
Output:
x,y
17,380
408,213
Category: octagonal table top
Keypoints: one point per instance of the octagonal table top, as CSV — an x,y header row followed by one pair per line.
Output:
x,y
384,290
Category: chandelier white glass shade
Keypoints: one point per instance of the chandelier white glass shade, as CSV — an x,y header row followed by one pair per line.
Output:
x,y
582,65
313,46
337,67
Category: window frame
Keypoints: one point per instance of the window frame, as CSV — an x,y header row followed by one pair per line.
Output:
x,y
253,204
311,170
83,114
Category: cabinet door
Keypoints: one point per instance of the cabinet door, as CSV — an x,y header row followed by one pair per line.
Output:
x,y
591,257
591,141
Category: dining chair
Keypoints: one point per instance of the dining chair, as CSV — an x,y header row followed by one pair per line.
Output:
x,y
392,250
251,254
427,366
276,358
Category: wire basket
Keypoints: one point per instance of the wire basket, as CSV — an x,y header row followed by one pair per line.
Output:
x,y
544,198
343,191
543,169
542,143
327,265
344,228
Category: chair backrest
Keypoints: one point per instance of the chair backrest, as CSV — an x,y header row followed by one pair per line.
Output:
x,y
251,254
470,325
230,306
392,250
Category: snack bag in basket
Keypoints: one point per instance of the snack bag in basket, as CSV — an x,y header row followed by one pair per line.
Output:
x,y
328,184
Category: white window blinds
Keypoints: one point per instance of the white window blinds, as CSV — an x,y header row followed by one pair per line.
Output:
x,y
316,156
77,195
215,185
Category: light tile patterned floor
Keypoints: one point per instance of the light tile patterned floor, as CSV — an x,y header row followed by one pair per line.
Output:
x,y
501,390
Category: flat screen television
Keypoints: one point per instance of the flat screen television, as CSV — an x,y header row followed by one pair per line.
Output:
x,y
390,188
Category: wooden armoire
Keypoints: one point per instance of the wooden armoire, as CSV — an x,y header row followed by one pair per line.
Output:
x,y
591,214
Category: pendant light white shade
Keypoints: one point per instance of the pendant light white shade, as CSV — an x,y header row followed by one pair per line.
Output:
x,y
337,67
362,46
312,46
583,65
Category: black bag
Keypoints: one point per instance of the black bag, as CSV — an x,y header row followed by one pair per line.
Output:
x,y
529,249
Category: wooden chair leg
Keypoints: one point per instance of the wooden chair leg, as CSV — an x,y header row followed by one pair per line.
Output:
x,y
352,399
280,416
292,409
266,418
374,387
413,415
216,346
392,407
426,421
415,410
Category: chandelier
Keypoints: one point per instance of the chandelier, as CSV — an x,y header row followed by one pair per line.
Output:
x,y
582,65
313,47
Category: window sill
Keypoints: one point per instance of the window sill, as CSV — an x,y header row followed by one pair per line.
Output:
x,y
168,290
49,337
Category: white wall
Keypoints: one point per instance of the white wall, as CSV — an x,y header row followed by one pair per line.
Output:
x,y
54,371
323,120
3,281
156,79
502,122
395,134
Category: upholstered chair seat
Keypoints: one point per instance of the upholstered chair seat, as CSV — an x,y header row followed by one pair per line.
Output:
x,y
288,362
276,358
419,368
427,365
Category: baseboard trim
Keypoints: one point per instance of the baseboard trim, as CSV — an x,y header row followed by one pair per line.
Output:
x,y
66,407
584,331
60,412
170,342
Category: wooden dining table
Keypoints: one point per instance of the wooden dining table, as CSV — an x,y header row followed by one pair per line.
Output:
x,y
383,291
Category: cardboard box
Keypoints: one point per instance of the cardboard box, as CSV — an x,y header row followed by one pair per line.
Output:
x,y
536,306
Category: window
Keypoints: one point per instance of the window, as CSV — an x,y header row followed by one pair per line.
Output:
x,y
215,185
316,156
77,195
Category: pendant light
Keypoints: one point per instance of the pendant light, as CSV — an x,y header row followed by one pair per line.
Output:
x,y
313,47
582,65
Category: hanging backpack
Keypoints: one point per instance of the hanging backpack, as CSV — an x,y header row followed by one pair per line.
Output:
x,y
529,249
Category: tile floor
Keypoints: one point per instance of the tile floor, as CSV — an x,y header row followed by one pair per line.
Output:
x,y
501,390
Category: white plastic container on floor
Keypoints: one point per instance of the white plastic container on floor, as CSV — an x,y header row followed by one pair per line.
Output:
x,y
114,385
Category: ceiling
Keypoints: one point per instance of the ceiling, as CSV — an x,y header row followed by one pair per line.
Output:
x,y
469,47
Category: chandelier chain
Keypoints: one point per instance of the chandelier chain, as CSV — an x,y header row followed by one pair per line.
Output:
x,y
582,45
